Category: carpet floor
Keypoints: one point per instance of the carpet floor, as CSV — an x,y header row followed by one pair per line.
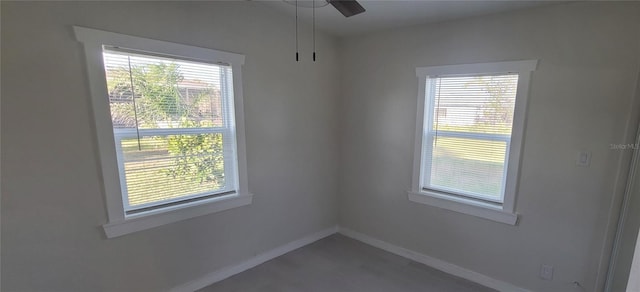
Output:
x,y
337,264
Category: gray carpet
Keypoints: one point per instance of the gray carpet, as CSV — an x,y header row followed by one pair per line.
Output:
x,y
338,263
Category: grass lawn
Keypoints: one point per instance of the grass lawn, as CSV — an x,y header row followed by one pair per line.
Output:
x,y
470,165
147,175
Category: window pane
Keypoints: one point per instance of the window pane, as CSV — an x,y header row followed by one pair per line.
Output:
x,y
167,167
469,123
148,92
476,104
169,93
471,167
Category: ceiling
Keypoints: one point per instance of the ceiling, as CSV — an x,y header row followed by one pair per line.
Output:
x,y
382,15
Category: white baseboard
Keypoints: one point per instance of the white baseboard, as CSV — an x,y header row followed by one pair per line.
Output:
x,y
435,263
229,271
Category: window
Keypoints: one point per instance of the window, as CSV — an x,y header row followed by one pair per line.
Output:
x,y
172,128
468,138
169,126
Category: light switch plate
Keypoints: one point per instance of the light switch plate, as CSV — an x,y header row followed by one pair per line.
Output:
x,y
583,159
546,272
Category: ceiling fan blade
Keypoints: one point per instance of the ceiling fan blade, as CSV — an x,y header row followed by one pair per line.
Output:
x,y
347,7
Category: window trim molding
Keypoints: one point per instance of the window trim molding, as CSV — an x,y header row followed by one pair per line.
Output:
x,y
117,222
463,205
173,214
505,212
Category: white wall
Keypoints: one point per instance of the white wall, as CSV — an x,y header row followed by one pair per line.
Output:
x,y
581,98
52,203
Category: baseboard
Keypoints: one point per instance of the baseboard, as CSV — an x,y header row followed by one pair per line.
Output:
x,y
435,263
229,271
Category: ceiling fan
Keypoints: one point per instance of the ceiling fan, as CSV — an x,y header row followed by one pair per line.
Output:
x,y
348,8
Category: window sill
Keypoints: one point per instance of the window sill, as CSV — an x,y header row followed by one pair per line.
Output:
x,y
465,206
174,214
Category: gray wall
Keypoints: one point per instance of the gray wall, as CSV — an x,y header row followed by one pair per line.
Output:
x,y
52,203
581,98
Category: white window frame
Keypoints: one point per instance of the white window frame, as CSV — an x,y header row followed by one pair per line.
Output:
x,y
118,222
500,212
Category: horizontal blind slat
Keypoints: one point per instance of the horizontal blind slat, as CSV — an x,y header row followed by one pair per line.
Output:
x,y
171,124
469,129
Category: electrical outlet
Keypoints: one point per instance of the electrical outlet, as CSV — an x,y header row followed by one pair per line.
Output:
x,y
546,272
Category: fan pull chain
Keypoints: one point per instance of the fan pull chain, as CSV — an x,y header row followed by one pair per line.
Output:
x,y
314,30
297,59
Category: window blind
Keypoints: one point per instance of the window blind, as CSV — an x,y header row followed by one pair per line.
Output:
x,y
173,127
467,134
